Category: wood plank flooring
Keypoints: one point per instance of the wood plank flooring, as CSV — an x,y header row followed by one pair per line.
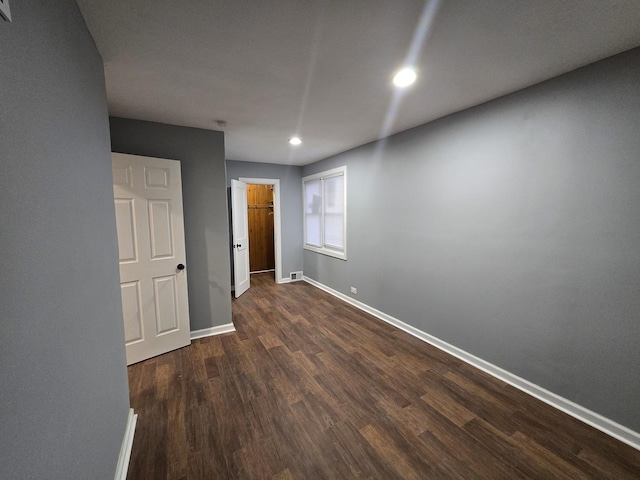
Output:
x,y
311,388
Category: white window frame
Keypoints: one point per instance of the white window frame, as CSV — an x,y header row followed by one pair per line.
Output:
x,y
324,249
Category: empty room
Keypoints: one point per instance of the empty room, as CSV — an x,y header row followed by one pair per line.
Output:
x,y
320,239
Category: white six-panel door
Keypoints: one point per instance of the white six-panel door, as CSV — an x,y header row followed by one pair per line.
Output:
x,y
240,227
153,278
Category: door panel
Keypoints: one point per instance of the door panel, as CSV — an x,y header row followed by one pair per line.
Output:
x,y
156,177
240,228
164,289
148,204
132,311
126,230
122,175
161,229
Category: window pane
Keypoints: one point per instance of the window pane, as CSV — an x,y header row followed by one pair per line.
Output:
x,y
334,231
334,212
313,210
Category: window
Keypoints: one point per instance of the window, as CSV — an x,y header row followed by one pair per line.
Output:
x,y
325,212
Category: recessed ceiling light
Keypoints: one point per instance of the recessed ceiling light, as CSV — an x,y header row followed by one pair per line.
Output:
x,y
404,77
295,141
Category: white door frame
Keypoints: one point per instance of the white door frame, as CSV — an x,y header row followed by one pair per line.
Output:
x,y
277,229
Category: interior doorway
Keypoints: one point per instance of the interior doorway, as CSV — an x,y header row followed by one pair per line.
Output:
x,y
263,208
261,227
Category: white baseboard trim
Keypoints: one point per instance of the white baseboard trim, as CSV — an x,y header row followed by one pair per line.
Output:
x,y
583,414
208,332
125,449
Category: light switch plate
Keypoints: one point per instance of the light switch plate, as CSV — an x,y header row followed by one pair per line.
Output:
x,y
5,11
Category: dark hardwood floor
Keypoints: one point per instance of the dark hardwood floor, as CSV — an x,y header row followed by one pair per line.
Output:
x,y
312,388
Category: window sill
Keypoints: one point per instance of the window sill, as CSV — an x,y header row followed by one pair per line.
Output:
x,y
327,251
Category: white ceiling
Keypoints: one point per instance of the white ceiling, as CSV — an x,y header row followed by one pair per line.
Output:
x,y
322,69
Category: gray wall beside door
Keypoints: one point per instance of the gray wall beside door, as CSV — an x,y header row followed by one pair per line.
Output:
x,y
64,397
511,230
201,153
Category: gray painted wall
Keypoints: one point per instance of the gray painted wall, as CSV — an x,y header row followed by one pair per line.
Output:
x,y
512,231
290,205
201,153
64,396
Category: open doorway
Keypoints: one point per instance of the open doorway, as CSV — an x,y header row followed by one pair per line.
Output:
x,y
261,227
263,208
